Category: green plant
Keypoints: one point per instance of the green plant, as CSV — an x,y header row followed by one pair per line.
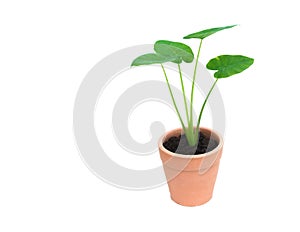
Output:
x,y
168,51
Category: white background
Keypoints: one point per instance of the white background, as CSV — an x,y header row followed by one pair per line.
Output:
x,y
46,50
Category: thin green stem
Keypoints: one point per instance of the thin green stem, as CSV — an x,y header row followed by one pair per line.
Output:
x,y
204,103
183,93
172,96
193,85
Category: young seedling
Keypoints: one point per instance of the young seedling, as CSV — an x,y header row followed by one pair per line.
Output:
x,y
168,51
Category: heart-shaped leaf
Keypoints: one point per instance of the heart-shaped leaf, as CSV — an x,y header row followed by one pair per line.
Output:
x,y
228,65
205,33
151,58
178,51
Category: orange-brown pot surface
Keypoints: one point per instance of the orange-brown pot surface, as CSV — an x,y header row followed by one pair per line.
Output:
x,y
191,178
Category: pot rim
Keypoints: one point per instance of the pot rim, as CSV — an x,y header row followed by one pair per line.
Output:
x,y
217,149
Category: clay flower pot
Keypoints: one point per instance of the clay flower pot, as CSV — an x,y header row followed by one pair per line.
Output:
x,y
191,178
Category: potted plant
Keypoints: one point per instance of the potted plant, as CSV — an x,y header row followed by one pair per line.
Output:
x,y
191,154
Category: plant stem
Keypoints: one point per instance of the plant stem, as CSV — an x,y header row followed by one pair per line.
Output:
x,y
193,86
204,103
173,100
183,93
192,135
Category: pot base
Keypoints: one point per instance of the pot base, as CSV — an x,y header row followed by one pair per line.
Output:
x,y
191,205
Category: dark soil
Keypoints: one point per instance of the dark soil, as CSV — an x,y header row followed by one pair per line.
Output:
x,y
205,144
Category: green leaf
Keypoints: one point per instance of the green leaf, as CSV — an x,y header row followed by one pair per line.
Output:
x,y
178,51
151,58
205,33
228,65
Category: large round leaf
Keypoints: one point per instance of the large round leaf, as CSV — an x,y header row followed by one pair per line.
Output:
x,y
178,51
151,58
228,65
205,33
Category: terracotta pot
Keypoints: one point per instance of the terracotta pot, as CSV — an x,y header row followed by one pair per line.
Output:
x,y
191,178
